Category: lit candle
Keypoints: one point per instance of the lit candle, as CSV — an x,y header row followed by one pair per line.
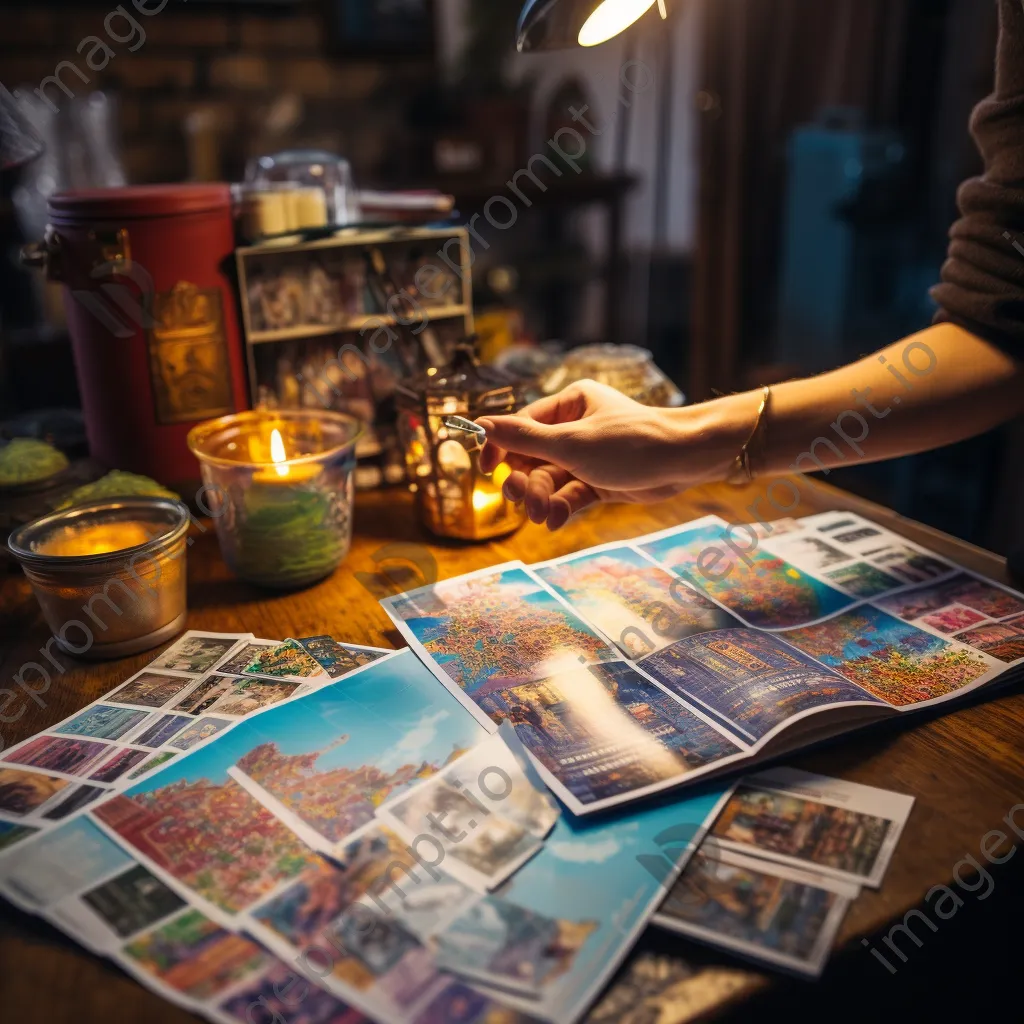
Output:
x,y
288,477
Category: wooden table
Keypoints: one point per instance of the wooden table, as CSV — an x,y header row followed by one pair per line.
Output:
x,y
966,770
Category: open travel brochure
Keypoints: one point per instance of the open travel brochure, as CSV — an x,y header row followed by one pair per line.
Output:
x,y
636,667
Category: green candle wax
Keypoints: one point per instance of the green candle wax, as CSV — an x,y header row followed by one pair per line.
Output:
x,y
289,535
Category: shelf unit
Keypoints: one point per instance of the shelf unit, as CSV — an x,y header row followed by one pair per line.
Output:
x,y
290,251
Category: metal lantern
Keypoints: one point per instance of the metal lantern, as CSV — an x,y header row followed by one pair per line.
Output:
x,y
453,496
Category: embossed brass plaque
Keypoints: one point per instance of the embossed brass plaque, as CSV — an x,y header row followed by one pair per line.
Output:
x,y
188,355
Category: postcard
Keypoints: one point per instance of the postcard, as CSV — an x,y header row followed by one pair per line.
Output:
x,y
606,734
638,604
353,909
245,656
997,640
249,695
753,681
197,653
766,591
287,660
279,996
861,579
22,792
55,864
499,774
206,694
152,764
324,762
981,596
462,811
831,826
202,830
161,730
10,834
123,761
130,902
892,660
195,956
149,689
199,732
80,797
772,914
599,882
338,659
502,945
102,722
494,630
58,754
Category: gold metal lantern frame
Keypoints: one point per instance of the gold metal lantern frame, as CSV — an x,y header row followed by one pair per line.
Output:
x,y
454,497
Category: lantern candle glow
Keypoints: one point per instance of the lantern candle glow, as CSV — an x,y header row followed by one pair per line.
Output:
x,y
453,496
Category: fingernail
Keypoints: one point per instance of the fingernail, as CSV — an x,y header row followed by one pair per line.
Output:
x,y
487,424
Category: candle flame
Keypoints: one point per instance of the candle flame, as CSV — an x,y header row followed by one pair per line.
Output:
x,y
277,452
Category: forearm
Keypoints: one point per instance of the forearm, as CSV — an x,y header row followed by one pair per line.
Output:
x,y
934,388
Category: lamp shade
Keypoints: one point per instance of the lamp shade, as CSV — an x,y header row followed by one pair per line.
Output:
x,y
561,24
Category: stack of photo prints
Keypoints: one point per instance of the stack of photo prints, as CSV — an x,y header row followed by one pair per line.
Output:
x,y
319,833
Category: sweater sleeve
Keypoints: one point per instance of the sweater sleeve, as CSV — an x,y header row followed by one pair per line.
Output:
x,y
982,285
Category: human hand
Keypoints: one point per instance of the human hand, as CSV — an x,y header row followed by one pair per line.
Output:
x,y
590,444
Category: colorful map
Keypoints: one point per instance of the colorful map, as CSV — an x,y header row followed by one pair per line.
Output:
x,y
640,606
490,632
898,663
767,591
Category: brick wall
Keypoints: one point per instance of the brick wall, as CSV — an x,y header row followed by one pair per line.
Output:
x,y
258,83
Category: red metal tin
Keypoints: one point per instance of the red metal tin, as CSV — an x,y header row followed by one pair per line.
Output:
x,y
152,315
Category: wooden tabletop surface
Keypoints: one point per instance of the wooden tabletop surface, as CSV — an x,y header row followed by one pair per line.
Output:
x,y
965,769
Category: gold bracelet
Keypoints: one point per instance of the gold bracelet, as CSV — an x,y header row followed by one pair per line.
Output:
x,y
742,473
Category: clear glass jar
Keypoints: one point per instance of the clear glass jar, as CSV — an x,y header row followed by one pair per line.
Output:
x,y
310,169
109,576
280,487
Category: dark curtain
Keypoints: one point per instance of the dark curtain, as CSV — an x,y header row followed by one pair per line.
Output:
x,y
768,66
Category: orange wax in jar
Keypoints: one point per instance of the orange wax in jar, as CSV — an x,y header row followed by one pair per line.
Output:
x,y
95,539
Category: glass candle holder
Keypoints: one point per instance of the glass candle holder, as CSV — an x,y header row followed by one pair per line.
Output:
x,y
454,497
280,487
109,576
